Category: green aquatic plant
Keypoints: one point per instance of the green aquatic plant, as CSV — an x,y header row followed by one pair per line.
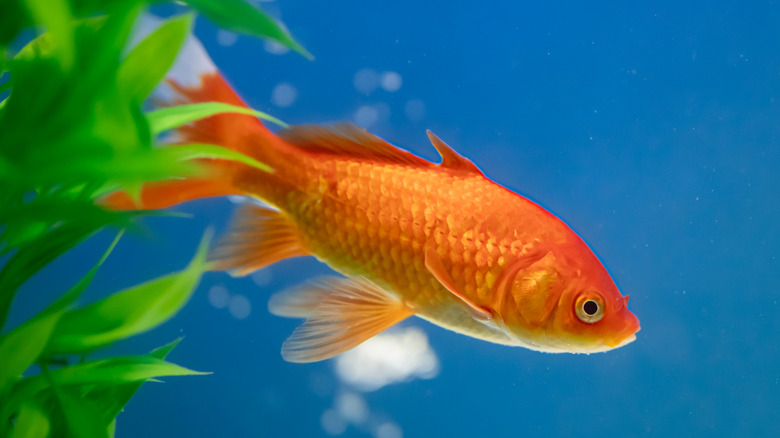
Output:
x,y
72,129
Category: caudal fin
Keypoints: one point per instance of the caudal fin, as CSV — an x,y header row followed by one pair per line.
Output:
x,y
195,79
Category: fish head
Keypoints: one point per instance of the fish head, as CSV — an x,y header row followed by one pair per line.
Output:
x,y
593,319
567,303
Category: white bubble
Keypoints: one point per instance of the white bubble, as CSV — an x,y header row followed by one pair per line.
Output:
x,y
262,277
237,199
275,48
332,423
284,95
366,116
239,306
226,38
366,80
219,297
415,110
352,407
388,430
391,81
388,358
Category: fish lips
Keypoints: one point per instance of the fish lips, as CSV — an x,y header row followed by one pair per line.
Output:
x,y
628,334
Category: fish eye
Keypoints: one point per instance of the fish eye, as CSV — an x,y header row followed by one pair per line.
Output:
x,y
589,308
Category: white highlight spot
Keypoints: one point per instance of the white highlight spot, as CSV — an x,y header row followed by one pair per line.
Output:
x,y
284,95
388,430
366,80
219,297
388,358
226,38
275,48
366,116
415,110
332,423
239,306
391,81
352,407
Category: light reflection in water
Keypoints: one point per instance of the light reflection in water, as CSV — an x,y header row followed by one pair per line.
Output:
x,y
388,358
398,356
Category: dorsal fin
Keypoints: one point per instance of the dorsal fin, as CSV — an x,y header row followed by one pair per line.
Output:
x,y
346,138
450,158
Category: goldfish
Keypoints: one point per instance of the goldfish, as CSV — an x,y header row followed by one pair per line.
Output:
x,y
441,241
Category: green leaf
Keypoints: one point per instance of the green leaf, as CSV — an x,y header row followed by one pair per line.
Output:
x,y
148,62
20,348
100,374
13,19
56,17
81,416
195,151
23,345
168,118
129,312
108,383
242,17
31,422
32,220
113,398
34,256
38,46
73,293
117,370
165,350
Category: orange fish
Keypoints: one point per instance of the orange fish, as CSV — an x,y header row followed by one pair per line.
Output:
x,y
439,241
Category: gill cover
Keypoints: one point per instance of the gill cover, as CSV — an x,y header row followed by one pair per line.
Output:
x,y
529,290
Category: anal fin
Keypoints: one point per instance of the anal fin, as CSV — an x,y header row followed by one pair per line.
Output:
x,y
258,237
341,314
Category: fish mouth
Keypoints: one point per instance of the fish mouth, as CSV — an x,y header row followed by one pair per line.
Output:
x,y
628,337
628,333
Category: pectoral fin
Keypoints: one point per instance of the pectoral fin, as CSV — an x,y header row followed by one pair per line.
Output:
x,y
300,301
436,268
341,314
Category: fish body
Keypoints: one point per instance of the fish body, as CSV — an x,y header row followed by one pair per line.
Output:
x,y
439,241
376,220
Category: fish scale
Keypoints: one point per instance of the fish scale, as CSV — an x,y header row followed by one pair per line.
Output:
x,y
374,220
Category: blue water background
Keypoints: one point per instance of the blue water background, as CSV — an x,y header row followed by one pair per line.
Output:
x,y
652,129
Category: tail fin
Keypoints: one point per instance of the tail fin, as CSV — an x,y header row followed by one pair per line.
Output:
x,y
195,79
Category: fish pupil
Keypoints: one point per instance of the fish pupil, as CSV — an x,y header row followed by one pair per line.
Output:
x,y
590,307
